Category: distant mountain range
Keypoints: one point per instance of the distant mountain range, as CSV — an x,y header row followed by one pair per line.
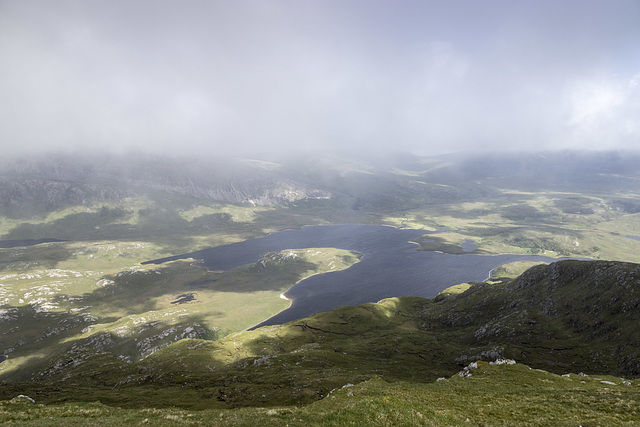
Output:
x,y
48,182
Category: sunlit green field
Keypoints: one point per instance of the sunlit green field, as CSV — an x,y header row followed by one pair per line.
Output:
x,y
58,294
530,223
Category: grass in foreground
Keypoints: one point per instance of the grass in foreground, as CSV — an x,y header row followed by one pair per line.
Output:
x,y
492,395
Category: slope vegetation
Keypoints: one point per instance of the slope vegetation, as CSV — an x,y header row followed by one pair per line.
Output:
x,y
568,317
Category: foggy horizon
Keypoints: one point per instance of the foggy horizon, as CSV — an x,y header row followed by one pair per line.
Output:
x,y
254,78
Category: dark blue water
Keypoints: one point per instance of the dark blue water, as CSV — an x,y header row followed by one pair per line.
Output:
x,y
390,267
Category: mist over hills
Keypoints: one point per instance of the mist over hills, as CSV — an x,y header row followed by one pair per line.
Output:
x,y
84,311
48,182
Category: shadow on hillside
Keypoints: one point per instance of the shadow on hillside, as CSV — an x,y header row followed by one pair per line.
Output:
x,y
164,227
30,331
46,255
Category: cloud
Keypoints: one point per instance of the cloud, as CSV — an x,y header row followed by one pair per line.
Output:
x,y
604,112
253,76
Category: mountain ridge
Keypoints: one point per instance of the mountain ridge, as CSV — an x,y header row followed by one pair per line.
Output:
x,y
401,339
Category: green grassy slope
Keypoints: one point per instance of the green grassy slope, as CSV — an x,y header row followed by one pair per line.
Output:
x,y
402,354
569,316
496,395
135,311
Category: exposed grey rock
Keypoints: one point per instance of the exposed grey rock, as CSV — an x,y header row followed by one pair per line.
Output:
x,y
21,398
503,362
465,372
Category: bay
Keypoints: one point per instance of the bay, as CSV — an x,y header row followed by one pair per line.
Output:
x,y
390,267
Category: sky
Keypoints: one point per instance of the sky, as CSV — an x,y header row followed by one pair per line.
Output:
x,y
250,77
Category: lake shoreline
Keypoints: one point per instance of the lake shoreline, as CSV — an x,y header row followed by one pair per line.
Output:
x,y
390,266
291,299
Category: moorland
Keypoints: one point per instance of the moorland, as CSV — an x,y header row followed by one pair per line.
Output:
x,y
92,334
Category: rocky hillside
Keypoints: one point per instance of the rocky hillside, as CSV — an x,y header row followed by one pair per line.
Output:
x,y
570,316
45,183
401,181
566,316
